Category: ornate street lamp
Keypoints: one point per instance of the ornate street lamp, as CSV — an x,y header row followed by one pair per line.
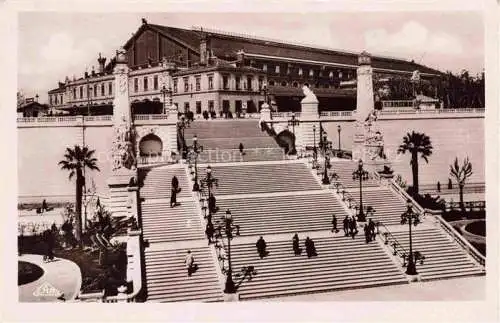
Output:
x,y
181,126
229,228
209,182
362,175
315,151
194,150
339,128
326,145
293,122
411,217
265,92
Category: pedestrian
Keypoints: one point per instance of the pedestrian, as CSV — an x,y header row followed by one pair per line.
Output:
x,y
371,228
334,224
209,231
175,183
212,203
189,261
310,248
261,247
173,198
352,227
241,149
295,242
439,187
346,226
44,206
367,233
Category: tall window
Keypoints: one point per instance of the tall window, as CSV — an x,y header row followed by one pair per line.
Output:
x,y
175,85
136,85
186,84
210,82
50,99
56,99
81,92
211,106
186,107
95,90
301,72
74,93
198,86
110,88
311,72
261,82
330,75
264,67
145,83
225,82
198,107
61,99
277,69
249,83
238,83
155,82
102,89
340,74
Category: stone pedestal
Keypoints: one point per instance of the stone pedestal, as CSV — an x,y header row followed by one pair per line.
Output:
x,y
309,117
265,112
234,297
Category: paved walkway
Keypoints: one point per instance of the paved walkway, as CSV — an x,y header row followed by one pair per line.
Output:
x,y
459,289
60,276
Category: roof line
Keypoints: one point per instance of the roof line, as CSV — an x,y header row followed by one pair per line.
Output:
x,y
328,63
293,43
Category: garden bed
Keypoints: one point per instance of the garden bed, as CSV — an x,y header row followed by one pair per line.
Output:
x,y
100,270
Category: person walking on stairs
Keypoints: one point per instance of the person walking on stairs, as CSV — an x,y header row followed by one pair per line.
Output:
x,y
353,227
212,203
261,247
310,248
346,225
189,261
175,183
240,147
371,228
209,231
334,224
295,243
367,233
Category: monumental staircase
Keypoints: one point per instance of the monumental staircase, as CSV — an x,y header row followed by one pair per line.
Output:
x,y
276,199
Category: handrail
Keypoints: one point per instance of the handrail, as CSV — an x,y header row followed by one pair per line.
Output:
x,y
395,243
406,196
461,240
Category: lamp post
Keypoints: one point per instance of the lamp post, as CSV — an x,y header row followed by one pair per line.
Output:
x,y
293,122
209,181
326,145
265,92
362,175
411,217
229,228
181,126
339,128
195,149
164,91
315,151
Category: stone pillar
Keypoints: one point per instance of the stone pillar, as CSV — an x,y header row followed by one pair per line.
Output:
x,y
365,103
123,149
133,200
309,118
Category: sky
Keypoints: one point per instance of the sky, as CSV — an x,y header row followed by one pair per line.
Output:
x,y
53,45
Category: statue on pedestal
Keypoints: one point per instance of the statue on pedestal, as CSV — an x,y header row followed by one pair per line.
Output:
x,y
309,95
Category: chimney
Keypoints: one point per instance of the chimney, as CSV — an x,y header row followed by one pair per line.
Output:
x,y
102,62
93,71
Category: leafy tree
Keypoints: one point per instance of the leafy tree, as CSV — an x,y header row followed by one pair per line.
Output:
x,y
76,160
416,144
461,173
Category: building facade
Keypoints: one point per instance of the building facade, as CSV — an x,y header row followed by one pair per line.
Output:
x,y
209,70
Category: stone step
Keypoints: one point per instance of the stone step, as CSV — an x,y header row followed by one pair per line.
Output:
x,y
167,279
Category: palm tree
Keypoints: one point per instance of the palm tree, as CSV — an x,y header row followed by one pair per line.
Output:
x,y
416,143
461,174
75,161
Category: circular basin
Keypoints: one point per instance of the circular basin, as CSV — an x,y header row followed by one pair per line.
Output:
x,y
477,227
28,272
